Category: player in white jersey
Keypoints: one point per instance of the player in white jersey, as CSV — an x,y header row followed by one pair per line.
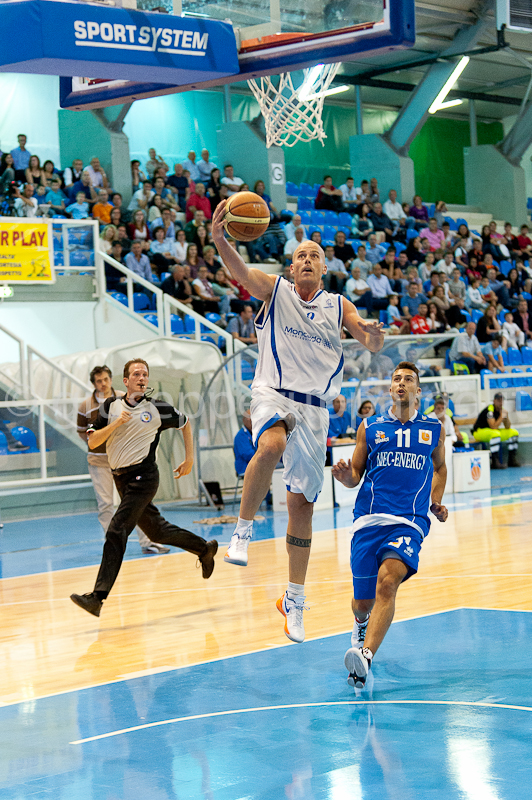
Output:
x,y
299,370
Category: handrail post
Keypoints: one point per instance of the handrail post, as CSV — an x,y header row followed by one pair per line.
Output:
x,y
42,442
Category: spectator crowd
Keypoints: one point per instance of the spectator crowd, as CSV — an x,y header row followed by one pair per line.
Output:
x,y
393,260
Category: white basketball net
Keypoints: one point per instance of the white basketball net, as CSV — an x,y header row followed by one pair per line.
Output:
x,y
293,114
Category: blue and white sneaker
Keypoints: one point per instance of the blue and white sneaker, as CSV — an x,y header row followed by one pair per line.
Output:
x,y
359,633
358,664
292,610
237,552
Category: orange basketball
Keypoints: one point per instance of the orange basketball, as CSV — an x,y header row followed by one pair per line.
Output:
x,y
246,216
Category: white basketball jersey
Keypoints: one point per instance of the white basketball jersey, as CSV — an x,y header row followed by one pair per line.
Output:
x,y
300,348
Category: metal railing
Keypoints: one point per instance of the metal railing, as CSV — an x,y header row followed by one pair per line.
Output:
x,y
165,304
40,408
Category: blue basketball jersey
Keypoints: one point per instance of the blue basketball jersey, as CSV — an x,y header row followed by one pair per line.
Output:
x,y
399,470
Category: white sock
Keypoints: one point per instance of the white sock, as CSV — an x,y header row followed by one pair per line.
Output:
x,y
244,526
295,590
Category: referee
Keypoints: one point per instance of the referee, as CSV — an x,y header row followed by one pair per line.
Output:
x,y
131,427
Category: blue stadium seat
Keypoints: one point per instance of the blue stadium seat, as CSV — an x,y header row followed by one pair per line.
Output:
x,y
426,286
25,437
476,314
383,316
317,217
120,296
316,188
152,318
305,217
431,209
461,221
500,315
523,401
411,233
467,315
520,370
327,242
526,355
313,228
177,325
514,356
355,244
399,247
307,190
165,275
329,232
505,358
347,231
332,218
529,203
140,301
305,204
292,189
452,224
3,444
505,267
59,258
190,324
526,295
213,317
345,219
211,339
287,213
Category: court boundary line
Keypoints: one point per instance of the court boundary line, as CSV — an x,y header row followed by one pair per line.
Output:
x,y
256,541
324,704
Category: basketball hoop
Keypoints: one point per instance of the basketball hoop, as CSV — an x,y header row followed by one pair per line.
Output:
x,y
294,114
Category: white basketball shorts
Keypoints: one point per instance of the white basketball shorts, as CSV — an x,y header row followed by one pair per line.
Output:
x,y
304,457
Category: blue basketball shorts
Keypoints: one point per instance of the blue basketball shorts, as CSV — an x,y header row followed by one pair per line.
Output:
x,y
371,545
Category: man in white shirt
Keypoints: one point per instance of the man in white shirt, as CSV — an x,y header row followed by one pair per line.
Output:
x,y
205,166
290,227
380,287
233,183
190,164
291,244
466,349
358,291
26,204
97,174
446,264
73,173
394,210
336,274
349,196
141,197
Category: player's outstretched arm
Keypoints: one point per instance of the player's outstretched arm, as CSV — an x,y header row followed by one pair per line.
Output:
x,y
185,468
366,331
439,479
350,473
255,281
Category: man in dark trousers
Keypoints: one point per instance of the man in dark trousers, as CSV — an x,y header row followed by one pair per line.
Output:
x,y
131,427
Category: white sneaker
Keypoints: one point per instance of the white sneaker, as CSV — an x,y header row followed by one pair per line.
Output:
x,y
237,552
292,610
358,667
359,633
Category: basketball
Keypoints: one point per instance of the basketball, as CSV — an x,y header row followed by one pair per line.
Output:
x,y
246,216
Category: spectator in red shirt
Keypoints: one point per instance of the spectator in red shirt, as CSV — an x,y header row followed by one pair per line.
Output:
x,y
329,198
198,201
525,243
420,323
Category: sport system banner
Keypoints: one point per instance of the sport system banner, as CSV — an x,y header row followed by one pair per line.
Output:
x,y
25,252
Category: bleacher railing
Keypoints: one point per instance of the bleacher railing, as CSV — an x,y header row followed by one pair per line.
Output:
x,y
165,304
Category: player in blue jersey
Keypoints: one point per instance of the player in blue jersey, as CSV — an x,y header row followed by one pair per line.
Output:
x,y
299,371
402,453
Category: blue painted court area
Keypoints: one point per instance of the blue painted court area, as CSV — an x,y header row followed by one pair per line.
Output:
x,y
52,543
448,715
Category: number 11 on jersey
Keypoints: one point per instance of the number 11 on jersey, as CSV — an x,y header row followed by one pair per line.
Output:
x,y
403,434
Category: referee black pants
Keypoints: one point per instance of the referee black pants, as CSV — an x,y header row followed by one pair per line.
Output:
x,y
137,490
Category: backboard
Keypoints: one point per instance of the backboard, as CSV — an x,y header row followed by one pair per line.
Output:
x,y
272,36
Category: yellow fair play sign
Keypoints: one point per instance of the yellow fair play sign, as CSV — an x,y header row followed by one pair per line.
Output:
x,y
25,252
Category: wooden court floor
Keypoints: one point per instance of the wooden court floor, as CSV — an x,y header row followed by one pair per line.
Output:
x,y
161,615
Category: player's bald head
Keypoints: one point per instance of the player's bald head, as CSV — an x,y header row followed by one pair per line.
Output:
x,y
309,245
